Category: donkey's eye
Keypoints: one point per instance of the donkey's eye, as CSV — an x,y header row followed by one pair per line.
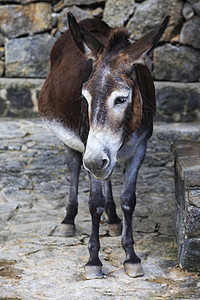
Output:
x,y
120,100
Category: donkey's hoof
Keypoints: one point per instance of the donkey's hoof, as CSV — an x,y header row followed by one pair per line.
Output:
x,y
92,272
66,230
115,229
133,270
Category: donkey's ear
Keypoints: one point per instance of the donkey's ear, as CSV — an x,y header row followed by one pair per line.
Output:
x,y
84,40
139,51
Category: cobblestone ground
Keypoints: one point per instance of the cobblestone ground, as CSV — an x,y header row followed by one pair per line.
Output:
x,y
35,263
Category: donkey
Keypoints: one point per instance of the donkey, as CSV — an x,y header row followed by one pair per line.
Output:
x,y
99,100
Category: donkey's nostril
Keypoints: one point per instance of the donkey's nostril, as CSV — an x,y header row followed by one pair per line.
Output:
x,y
101,165
96,164
105,163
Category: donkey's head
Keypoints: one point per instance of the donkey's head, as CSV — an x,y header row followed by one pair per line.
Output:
x,y
111,90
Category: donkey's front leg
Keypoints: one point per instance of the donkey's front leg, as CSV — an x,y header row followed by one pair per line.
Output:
x,y
114,222
132,263
93,268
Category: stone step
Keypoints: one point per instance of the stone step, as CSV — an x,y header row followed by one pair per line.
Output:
x,y
19,97
176,101
187,213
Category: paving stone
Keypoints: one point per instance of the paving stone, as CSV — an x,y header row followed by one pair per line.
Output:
x,y
36,263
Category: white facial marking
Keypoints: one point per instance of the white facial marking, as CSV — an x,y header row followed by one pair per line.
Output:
x,y
123,93
87,95
66,135
100,139
105,72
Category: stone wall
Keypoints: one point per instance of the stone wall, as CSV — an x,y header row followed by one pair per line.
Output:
x,y
187,205
29,28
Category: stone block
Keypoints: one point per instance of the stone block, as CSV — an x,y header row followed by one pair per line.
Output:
x,y
2,66
22,1
177,102
189,165
19,97
98,13
18,20
78,13
178,225
176,63
190,33
188,11
1,39
151,13
179,184
196,6
190,255
30,57
1,52
194,195
117,12
187,212
67,3
192,222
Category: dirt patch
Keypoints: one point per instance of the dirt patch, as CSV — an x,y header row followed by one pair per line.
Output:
x,y
7,270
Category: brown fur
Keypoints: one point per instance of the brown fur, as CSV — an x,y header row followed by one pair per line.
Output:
x,y
112,69
60,97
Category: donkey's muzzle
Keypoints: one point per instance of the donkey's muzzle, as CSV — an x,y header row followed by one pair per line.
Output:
x,y
97,165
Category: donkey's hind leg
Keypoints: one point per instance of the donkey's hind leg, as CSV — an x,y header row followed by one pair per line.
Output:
x,y
114,222
74,161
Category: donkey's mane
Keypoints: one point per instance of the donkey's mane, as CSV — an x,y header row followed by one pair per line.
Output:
x,y
117,40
